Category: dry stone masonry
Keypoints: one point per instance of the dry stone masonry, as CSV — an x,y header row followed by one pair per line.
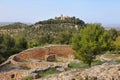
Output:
x,y
35,60
27,62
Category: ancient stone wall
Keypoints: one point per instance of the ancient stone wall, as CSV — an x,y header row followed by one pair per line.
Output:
x,y
40,53
62,51
30,58
34,53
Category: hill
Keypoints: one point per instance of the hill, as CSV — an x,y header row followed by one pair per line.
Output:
x,y
39,62
13,29
50,27
5,23
16,25
19,36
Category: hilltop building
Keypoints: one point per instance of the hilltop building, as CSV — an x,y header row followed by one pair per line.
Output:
x,y
62,17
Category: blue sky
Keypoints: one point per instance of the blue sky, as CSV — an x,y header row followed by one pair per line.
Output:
x,y
100,11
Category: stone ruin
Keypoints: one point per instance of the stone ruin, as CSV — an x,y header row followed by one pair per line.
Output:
x,y
43,58
36,59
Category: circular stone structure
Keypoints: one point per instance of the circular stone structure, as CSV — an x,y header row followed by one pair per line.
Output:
x,y
37,59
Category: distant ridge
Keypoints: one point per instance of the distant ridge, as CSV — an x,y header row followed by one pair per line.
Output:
x,y
109,26
7,23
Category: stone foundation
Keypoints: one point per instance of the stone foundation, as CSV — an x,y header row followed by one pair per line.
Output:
x,y
35,59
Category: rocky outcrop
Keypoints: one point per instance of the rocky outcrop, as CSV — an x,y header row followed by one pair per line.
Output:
x,y
101,72
13,75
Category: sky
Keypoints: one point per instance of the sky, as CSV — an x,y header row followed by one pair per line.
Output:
x,y
90,11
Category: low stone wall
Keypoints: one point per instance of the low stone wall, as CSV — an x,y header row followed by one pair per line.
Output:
x,y
24,58
31,58
34,53
41,52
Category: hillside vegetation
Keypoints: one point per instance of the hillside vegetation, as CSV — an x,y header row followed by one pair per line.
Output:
x,y
18,36
79,46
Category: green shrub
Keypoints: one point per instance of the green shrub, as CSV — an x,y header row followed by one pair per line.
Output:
x,y
111,56
83,65
47,72
77,65
27,78
118,61
26,68
96,62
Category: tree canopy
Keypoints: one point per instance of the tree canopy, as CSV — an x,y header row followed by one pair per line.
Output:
x,y
116,43
113,34
89,42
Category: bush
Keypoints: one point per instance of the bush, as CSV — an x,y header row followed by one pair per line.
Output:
x,y
83,65
26,68
111,55
47,72
77,65
118,61
96,62
27,78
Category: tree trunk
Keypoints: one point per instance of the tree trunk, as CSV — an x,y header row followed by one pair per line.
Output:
x,y
89,64
90,61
